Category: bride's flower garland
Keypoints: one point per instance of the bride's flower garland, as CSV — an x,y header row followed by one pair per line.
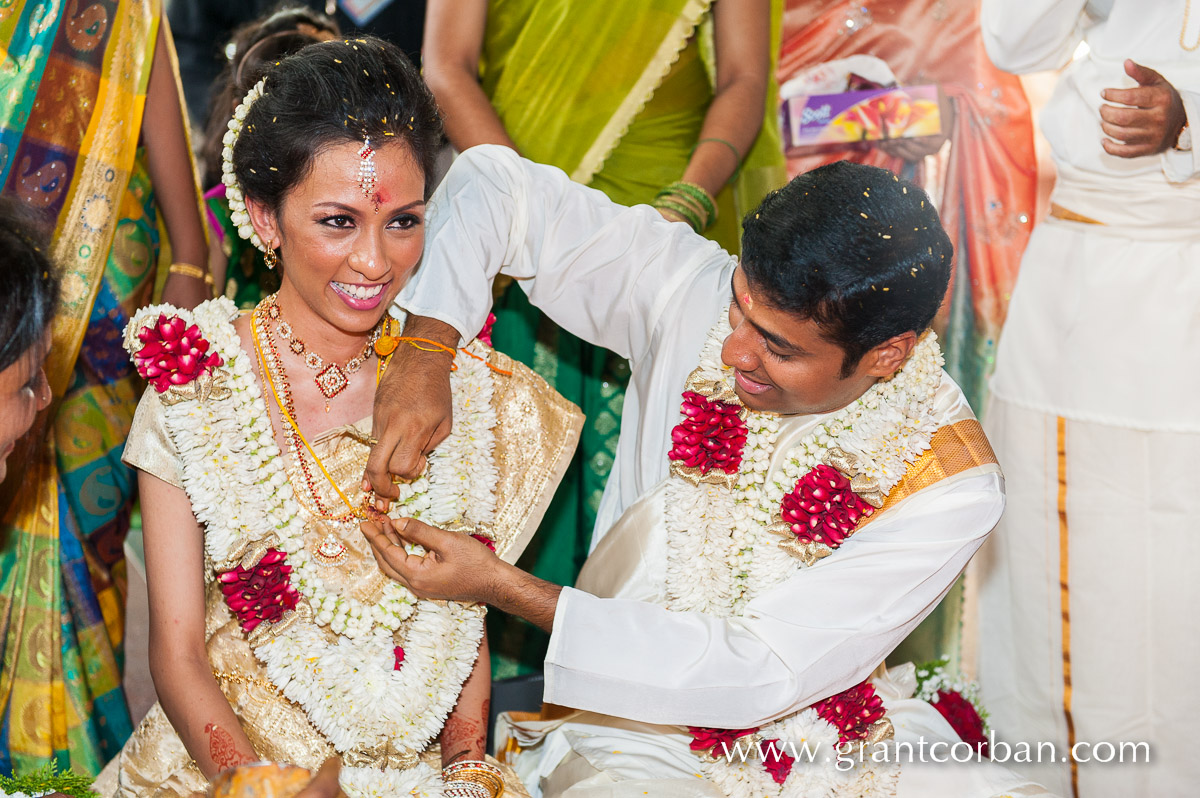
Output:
x,y
735,530
335,656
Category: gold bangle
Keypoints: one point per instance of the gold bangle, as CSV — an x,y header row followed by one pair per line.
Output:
x,y
191,270
478,772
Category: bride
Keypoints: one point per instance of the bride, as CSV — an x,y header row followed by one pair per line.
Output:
x,y
273,633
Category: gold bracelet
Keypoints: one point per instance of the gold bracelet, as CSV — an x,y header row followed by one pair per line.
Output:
x,y
191,270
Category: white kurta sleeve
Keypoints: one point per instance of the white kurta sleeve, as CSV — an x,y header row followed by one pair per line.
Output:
x,y
1033,34
600,270
821,631
1181,166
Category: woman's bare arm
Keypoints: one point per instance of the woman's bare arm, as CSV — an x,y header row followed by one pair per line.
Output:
x,y
171,173
741,34
454,31
179,662
465,734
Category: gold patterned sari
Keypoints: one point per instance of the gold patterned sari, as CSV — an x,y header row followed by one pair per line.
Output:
x,y
535,432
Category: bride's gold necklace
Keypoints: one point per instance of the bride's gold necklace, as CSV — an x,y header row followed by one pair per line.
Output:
x,y
331,378
275,377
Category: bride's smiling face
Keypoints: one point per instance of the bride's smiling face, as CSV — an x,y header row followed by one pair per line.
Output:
x,y
345,254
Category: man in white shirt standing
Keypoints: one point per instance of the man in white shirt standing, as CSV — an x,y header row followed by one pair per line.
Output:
x,y
1087,628
825,486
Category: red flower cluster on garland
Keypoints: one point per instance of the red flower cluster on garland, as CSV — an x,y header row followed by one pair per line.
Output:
x,y
852,712
718,740
399,652
485,335
711,435
261,593
822,508
963,718
173,353
485,540
776,762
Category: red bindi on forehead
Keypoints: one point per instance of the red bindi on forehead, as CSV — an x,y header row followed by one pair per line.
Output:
x,y
382,197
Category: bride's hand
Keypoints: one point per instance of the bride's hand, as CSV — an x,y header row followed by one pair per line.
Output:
x,y
455,566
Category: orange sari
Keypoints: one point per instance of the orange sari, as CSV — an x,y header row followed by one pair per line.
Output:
x,y
986,186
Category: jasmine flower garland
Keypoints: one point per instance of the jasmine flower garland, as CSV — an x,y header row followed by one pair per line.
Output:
x,y
724,548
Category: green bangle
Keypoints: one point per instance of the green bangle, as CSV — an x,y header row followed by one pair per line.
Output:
x,y
696,193
671,195
689,215
737,156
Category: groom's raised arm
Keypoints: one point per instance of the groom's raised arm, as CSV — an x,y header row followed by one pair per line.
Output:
x,y
602,271
597,269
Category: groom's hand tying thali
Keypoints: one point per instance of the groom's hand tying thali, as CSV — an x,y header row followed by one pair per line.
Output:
x,y
412,412
457,567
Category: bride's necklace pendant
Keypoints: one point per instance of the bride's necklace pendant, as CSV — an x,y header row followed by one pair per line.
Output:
x,y
331,381
331,378
331,551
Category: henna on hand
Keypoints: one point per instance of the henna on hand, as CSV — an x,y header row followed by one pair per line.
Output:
x,y
223,751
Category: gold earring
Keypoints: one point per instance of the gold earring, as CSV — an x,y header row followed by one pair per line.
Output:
x,y
271,258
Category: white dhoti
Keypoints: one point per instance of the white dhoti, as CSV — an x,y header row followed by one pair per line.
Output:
x,y
1086,593
586,755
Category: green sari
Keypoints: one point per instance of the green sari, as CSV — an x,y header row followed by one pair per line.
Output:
x,y
616,97
75,78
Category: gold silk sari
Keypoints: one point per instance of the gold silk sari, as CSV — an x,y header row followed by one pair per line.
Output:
x,y
535,435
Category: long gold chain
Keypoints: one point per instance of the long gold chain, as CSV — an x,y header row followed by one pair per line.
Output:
x,y
283,411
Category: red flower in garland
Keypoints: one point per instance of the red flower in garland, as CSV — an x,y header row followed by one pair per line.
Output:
x,y
963,718
485,335
399,652
822,508
776,762
711,435
261,593
718,740
173,353
852,712
485,540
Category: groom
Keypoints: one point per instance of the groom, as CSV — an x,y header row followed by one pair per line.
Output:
x,y
842,272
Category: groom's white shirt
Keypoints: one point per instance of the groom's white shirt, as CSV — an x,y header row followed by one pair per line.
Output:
x,y
649,290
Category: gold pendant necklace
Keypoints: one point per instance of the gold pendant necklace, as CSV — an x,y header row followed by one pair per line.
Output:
x,y
331,379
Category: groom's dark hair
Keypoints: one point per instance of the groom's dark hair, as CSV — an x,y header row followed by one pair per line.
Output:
x,y
854,248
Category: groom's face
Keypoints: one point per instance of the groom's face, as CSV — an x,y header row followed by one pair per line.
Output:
x,y
783,364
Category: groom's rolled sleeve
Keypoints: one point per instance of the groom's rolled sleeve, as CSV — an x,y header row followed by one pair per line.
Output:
x,y
821,631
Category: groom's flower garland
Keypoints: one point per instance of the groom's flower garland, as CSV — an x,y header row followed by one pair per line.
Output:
x,y
718,557
358,688
726,516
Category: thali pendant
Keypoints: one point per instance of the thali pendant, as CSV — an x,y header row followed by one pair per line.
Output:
x,y
331,551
